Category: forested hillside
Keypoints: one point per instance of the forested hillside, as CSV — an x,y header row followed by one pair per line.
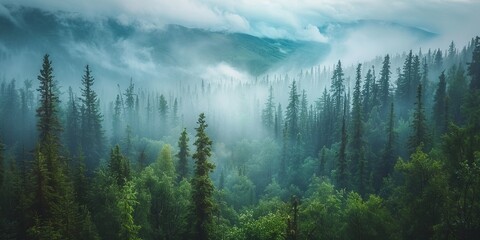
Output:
x,y
386,149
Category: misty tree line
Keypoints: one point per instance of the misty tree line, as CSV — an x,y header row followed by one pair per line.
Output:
x,y
387,155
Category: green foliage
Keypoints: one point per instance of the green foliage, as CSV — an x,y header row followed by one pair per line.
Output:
x,y
48,124
90,121
368,219
202,186
422,195
420,136
119,166
182,155
125,205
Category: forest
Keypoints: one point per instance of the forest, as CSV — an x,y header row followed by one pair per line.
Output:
x,y
385,149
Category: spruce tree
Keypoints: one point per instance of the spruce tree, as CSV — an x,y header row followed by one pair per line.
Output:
x,y
366,96
268,111
183,154
338,90
342,171
384,91
419,135
116,120
72,126
357,143
119,166
474,66
48,124
388,155
91,122
291,117
202,186
439,106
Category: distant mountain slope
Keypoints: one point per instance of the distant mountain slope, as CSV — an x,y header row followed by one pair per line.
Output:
x,y
120,51
70,38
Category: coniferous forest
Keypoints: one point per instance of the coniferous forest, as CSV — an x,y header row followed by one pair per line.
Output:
x,y
384,149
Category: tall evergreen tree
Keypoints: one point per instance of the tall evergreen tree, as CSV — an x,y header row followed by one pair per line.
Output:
x,y
404,84
72,126
48,117
202,186
175,113
385,167
419,135
269,110
91,122
183,154
119,166
338,90
439,106
358,166
474,66
342,166
366,95
291,117
384,91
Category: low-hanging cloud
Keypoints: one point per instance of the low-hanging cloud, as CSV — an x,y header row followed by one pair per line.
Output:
x,y
276,18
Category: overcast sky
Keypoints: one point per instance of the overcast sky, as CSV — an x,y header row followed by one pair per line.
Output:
x,y
451,20
457,19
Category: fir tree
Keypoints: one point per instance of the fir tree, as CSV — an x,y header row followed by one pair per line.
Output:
x,y
119,166
269,110
116,120
291,117
48,120
384,91
439,105
72,128
474,66
183,154
91,122
357,145
342,171
338,90
419,135
202,186
388,155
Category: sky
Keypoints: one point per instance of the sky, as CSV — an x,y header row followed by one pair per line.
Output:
x,y
449,20
295,19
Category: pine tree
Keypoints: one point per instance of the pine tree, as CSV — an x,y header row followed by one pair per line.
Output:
x,y
268,111
202,186
342,174
116,120
388,154
163,108
438,60
119,166
384,91
474,66
439,105
278,121
91,122
419,135
366,96
403,91
48,124
357,143
175,113
291,117
72,128
183,154
338,90
303,117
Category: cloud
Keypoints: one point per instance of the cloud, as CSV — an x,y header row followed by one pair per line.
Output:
x,y
276,18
